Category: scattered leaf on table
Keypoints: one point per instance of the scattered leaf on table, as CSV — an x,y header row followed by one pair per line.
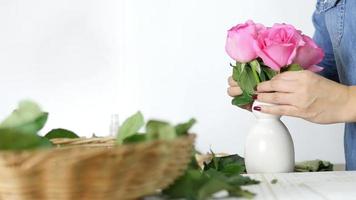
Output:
x,y
228,164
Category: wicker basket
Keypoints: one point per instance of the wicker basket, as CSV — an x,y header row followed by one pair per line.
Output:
x,y
93,169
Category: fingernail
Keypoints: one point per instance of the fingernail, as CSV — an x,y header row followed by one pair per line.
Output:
x,y
255,88
257,108
254,97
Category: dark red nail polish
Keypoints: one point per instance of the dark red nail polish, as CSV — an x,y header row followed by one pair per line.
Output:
x,y
257,108
254,97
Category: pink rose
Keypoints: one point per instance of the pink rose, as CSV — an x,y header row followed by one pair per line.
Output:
x,y
309,55
240,39
277,46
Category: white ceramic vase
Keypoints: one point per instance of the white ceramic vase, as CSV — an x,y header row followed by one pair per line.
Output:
x,y
269,145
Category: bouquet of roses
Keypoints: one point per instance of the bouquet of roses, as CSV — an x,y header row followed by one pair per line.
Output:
x,y
262,52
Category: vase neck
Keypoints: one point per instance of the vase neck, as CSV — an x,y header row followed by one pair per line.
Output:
x,y
261,115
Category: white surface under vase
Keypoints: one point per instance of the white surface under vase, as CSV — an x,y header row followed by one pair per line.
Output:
x,y
269,145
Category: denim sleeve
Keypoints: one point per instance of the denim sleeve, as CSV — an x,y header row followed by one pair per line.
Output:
x,y
322,38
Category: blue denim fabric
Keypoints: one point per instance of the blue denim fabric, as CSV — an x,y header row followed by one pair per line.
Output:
x,y
335,32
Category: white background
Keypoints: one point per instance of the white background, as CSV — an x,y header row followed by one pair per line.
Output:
x,y
84,60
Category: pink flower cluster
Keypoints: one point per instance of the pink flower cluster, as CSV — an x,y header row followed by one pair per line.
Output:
x,y
278,46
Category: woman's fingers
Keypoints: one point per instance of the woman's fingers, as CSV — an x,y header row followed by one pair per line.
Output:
x,y
232,82
279,85
279,110
276,98
234,91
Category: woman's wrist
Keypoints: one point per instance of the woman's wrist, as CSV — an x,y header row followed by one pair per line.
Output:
x,y
350,107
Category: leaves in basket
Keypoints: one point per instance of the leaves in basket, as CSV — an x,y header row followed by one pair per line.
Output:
x,y
130,127
160,130
135,138
27,118
60,133
183,128
13,140
155,130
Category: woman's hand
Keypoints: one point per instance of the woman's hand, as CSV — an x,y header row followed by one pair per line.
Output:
x,y
234,90
307,95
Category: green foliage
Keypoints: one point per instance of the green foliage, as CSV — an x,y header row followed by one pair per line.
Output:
x,y
313,166
292,67
267,73
155,130
19,130
60,133
27,118
248,75
13,140
130,127
221,173
247,78
136,138
183,128
243,99
230,164
160,130
274,181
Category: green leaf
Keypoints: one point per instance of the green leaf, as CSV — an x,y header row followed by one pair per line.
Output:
x,y
11,139
186,186
238,192
183,128
212,186
135,139
313,166
292,67
231,164
243,99
270,73
247,81
130,126
60,133
160,130
263,76
27,118
236,73
222,173
242,67
256,66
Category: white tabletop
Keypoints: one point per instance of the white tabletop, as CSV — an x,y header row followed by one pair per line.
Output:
x,y
314,186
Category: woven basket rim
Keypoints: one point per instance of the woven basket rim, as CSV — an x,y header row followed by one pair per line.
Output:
x,y
101,140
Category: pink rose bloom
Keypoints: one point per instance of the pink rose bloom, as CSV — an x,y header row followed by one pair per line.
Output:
x,y
240,39
309,55
277,46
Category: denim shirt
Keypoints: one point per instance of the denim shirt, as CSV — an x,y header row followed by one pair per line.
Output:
x,y
335,32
